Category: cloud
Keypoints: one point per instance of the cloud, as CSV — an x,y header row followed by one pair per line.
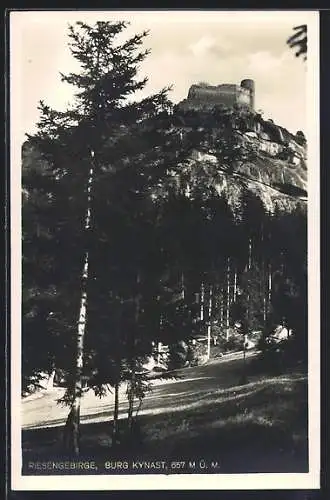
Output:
x,y
203,46
185,49
263,61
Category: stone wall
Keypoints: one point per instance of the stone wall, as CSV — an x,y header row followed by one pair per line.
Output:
x,y
243,97
207,96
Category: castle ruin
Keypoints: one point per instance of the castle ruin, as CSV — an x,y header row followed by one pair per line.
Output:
x,y
204,96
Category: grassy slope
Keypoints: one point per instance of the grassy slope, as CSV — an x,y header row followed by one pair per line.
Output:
x,y
257,427
254,427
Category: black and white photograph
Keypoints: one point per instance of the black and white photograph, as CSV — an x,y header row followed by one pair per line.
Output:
x,y
165,329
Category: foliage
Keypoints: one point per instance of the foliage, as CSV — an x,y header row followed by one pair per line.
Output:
x,y
298,41
300,138
235,341
178,355
100,129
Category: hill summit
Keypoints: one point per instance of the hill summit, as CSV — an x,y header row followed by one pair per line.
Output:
x,y
273,161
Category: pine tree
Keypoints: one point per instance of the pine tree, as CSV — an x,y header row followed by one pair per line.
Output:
x,y
104,134
298,41
46,313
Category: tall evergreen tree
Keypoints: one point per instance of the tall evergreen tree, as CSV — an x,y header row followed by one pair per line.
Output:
x,y
109,158
84,146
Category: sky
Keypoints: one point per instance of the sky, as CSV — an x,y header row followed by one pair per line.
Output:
x,y
186,47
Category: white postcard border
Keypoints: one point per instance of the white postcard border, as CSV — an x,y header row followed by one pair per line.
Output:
x,y
309,480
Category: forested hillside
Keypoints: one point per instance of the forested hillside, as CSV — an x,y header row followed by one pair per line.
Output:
x,y
139,228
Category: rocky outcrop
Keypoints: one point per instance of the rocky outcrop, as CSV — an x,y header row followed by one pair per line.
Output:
x,y
278,185
278,179
278,171
288,179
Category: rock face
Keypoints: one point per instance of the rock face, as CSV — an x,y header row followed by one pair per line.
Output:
x,y
279,168
277,173
278,185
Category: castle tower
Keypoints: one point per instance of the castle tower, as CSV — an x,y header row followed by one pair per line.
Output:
x,y
249,85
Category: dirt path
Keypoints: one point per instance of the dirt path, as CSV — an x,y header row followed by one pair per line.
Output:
x,y
167,395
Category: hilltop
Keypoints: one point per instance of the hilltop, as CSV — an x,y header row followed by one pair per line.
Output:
x,y
273,161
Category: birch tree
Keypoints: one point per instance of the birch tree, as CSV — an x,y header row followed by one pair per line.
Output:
x,y
81,145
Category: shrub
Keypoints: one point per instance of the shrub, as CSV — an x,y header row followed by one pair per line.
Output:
x,y
279,355
178,355
196,353
234,342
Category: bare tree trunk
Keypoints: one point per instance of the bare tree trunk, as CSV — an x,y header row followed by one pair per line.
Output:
x,y
235,286
115,415
263,269
159,347
228,299
269,280
244,377
50,381
265,308
182,286
202,302
131,389
72,434
209,326
131,399
282,264
221,308
265,295
269,293
72,426
248,295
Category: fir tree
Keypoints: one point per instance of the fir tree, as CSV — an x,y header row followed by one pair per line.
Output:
x,y
84,146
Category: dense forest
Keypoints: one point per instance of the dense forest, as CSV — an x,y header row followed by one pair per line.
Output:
x,y
127,242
